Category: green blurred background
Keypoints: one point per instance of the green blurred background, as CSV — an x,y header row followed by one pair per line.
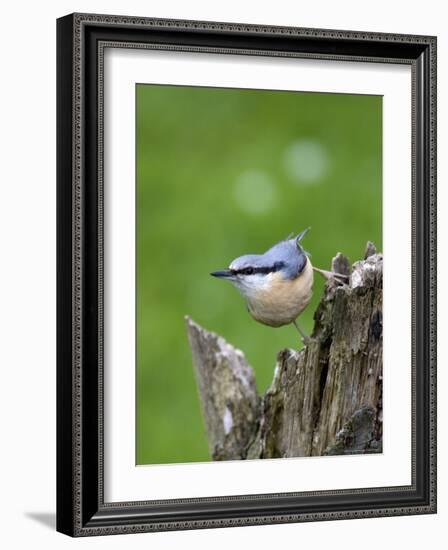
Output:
x,y
226,172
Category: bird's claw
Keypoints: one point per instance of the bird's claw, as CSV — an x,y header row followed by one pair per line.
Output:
x,y
340,277
307,340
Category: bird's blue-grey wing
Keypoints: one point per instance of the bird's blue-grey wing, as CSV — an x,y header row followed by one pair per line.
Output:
x,y
299,262
290,254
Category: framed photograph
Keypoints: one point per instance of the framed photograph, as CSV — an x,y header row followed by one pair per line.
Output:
x,y
246,274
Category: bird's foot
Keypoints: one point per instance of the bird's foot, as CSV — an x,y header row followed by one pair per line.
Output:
x,y
332,274
307,340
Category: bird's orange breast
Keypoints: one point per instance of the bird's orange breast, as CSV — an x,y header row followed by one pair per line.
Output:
x,y
282,300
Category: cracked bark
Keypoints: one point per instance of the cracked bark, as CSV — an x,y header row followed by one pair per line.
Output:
x,y
325,399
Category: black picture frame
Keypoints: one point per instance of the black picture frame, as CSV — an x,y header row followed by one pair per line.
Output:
x,y
81,510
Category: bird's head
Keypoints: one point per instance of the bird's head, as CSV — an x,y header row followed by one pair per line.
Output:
x,y
254,272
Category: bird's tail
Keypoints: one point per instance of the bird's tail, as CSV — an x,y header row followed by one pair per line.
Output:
x,y
299,238
302,234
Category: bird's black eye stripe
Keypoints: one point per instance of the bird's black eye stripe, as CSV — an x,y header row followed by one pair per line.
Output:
x,y
259,270
278,266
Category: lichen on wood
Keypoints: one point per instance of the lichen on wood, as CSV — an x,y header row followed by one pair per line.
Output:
x,y
325,399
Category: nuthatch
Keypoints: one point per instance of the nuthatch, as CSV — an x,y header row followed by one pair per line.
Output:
x,y
278,284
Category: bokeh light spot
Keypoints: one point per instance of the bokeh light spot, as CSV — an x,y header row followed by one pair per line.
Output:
x,y
306,161
254,192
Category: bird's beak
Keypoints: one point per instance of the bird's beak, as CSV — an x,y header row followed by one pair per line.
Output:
x,y
225,274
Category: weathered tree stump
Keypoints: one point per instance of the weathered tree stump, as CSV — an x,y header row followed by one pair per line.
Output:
x,y
325,399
